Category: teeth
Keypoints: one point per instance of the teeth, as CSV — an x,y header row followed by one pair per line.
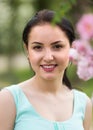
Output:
x,y
48,67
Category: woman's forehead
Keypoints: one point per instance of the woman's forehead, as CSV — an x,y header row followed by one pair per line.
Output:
x,y
46,30
47,34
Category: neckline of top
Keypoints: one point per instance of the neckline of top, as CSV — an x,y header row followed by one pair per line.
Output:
x,y
43,118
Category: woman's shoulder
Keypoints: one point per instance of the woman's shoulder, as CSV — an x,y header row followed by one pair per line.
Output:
x,y
80,93
7,108
83,98
6,95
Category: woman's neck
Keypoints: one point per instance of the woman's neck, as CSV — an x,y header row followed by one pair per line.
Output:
x,y
47,86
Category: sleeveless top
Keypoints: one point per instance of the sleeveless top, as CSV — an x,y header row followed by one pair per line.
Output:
x,y
28,119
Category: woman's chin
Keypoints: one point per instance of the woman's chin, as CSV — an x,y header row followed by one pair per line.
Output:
x,y
49,77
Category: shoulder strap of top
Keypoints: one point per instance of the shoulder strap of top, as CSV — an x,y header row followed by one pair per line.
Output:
x,y
14,91
21,102
17,95
80,102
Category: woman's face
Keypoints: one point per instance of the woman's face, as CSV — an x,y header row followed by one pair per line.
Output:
x,y
48,51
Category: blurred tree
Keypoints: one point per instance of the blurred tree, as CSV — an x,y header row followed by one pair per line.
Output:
x,y
70,8
45,4
15,13
79,8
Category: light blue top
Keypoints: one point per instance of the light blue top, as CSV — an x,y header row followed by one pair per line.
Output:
x,y
28,119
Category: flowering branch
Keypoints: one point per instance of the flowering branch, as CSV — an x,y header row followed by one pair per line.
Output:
x,y
81,53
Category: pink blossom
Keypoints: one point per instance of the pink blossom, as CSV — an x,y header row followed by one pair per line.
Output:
x,y
85,69
82,53
73,55
85,26
82,46
82,56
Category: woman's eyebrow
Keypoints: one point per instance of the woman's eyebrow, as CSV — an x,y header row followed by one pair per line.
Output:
x,y
35,42
56,42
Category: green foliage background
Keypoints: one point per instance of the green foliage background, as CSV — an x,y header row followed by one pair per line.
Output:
x,y
14,14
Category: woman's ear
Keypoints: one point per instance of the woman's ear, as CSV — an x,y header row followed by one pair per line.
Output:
x,y
26,52
25,46
26,49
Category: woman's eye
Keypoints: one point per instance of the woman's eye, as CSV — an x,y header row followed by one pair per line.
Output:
x,y
57,46
37,47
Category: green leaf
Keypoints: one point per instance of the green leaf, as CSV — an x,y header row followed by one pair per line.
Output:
x,y
73,1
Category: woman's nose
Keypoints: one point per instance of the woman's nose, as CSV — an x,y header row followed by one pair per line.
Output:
x,y
48,56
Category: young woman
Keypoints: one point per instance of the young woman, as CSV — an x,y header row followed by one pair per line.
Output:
x,y
47,100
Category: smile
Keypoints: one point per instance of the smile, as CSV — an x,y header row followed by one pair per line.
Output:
x,y
49,68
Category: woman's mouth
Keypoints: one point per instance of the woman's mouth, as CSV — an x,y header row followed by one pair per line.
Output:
x,y
49,68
